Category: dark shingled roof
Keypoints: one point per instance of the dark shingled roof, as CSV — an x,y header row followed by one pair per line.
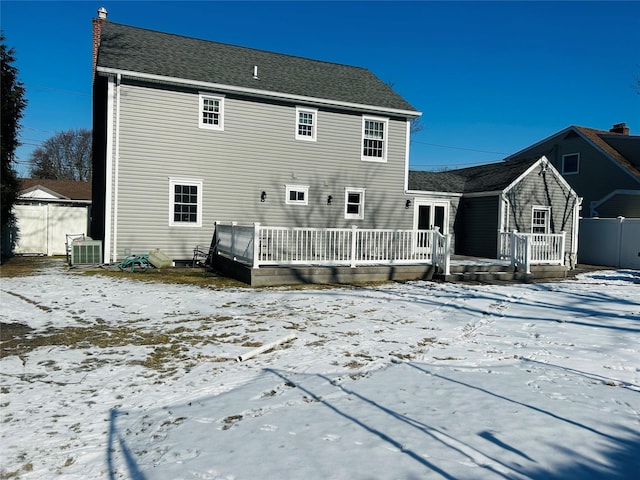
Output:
x,y
483,178
67,189
606,141
150,52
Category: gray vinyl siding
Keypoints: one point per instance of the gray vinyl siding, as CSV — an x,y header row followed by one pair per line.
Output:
x,y
477,227
257,151
541,189
597,177
621,205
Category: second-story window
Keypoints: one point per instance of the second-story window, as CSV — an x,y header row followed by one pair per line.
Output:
x,y
306,123
570,163
212,112
374,139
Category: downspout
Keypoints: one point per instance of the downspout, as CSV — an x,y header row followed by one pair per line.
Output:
x,y
406,156
574,236
503,211
116,171
108,191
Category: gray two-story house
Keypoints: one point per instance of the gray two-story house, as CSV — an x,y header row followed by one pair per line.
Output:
x,y
602,166
188,132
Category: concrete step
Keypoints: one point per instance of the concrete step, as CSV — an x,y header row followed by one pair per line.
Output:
x,y
486,277
497,268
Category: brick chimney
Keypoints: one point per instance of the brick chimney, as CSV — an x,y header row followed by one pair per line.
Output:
x,y
97,33
620,128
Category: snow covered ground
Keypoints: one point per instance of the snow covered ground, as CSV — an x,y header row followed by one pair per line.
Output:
x,y
397,381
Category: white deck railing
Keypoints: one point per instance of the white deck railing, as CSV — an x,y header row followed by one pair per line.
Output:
x,y
259,245
526,249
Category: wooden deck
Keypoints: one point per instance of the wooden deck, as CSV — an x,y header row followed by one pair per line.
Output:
x,y
463,269
263,256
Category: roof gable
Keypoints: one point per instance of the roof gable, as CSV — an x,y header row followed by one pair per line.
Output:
x,y
617,147
58,189
130,49
493,177
598,138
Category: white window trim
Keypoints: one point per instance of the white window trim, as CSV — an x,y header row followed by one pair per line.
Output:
x,y
297,188
173,181
353,216
314,129
564,172
207,126
547,217
385,140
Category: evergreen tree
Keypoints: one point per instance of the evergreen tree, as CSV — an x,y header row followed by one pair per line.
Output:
x,y
13,103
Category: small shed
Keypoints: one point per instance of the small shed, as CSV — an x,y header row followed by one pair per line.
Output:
x,y
46,211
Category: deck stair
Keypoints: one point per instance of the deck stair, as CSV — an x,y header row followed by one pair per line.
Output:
x,y
485,270
484,274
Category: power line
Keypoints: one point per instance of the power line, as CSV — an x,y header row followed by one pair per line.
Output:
x,y
460,148
68,92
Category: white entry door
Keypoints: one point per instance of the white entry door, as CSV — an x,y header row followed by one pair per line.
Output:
x,y
427,215
430,214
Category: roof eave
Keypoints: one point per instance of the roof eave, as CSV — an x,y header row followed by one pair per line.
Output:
x,y
433,193
106,71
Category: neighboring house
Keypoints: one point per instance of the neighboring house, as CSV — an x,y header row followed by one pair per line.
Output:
x,y
189,132
477,204
602,166
46,212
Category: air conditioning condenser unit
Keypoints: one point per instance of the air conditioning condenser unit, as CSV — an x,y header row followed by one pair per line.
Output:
x,y
86,252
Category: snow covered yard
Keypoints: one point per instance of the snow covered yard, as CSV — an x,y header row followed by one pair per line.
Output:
x,y
121,379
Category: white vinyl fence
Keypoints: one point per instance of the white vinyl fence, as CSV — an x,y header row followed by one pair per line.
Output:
x,y
612,242
42,229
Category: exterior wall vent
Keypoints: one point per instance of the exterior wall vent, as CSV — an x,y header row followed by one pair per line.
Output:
x,y
86,252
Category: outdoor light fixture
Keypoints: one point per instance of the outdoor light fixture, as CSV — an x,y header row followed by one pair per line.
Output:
x,y
263,196
407,204
329,200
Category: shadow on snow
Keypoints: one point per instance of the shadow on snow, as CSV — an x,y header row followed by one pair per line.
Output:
x,y
446,422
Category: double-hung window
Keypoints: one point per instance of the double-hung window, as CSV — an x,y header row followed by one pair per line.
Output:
x,y
570,163
374,139
306,124
185,202
540,219
211,112
297,195
354,203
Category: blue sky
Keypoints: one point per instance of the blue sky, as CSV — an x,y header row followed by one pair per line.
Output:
x,y
490,77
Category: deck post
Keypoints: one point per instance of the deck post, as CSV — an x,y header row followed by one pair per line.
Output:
x,y
562,246
527,255
447,255
353,246
233,240
513,247
256,245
